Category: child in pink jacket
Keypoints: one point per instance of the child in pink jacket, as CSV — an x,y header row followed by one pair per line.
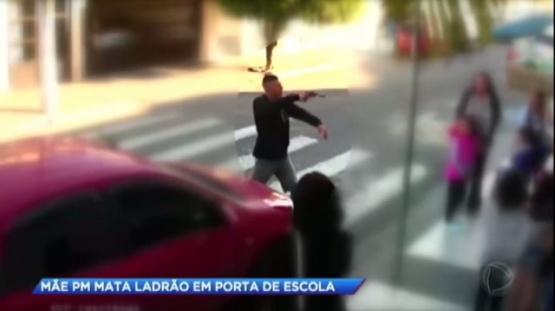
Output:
x,y
464,144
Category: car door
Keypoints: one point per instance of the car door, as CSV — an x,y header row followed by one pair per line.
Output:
x,y
64,237
175,232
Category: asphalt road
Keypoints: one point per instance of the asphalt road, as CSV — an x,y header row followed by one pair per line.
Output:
x,y
365,152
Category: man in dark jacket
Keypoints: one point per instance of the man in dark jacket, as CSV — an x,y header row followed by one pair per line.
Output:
x,y
326,248
271,117
481,102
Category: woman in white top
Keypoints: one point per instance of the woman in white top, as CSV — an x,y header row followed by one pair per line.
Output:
x,y
481,102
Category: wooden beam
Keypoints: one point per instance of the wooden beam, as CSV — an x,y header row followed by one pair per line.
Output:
x,y
77,41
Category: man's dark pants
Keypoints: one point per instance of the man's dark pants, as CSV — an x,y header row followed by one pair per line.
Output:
x,y
282,169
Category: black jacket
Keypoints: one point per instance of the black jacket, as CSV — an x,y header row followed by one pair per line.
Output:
x,y
327,248
318,217
271,118
496,113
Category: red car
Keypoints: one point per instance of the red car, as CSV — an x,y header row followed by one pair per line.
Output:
x,y
72,209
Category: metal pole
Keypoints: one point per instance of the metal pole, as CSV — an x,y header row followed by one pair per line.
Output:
x,y
48,56
77,29
410,146
299,265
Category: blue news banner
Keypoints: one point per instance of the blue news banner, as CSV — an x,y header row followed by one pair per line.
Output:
x,y
258,286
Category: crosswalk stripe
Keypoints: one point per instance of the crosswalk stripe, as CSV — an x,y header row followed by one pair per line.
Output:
x,y
463,249
376,192
176,131
247,161
133,124
211,143
335,165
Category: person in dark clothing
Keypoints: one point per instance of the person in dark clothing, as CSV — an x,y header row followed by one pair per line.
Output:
x,y
506,231
318,217
271,117
535,268
481,102
535,115
531,152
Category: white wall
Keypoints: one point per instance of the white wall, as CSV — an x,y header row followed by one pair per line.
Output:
x,y
361,33
221,37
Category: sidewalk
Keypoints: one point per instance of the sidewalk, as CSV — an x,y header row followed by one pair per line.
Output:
x,y
94,102
441,266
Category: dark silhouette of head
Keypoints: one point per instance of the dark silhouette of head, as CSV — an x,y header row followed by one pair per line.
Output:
x,y
511,190
529,137
317,203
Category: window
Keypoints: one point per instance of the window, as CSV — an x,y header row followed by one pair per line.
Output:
x,y
62,237
211,182
157,212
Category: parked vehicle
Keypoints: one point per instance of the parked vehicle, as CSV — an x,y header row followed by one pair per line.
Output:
x,y
72,209
405,41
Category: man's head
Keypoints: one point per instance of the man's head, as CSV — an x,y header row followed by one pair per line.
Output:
x,y
272,86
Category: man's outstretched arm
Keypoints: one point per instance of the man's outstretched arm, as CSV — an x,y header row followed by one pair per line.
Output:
x,y
301,114
298,113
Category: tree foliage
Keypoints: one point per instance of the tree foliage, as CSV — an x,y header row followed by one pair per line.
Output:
x,y
484,20
460,40
448,19
276,14
398,10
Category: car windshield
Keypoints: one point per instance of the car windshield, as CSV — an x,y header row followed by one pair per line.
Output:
x,y
204,179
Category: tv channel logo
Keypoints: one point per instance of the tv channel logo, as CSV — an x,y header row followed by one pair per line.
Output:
x,y
497,278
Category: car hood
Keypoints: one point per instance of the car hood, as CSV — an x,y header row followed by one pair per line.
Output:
x,y
236,185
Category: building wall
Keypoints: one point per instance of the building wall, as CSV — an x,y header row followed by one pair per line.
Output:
x,y
20,45
299,35
221,34
21,41
136,33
